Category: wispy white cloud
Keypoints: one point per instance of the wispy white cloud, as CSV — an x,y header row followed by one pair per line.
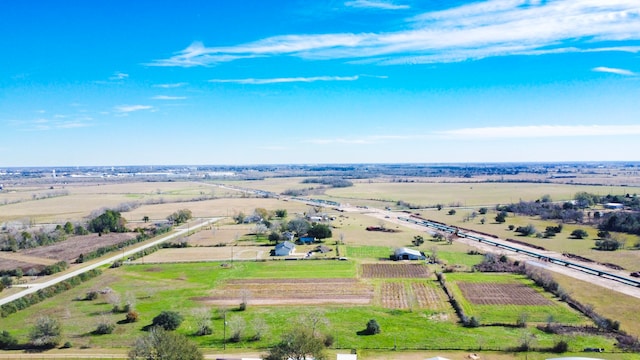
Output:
x,y
197,55
171,86
605,69
372,4
473,31
45,124
252,81
540,131
166,97
119,76
131,108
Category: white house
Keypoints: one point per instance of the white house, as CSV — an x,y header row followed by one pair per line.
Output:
x,y
284,248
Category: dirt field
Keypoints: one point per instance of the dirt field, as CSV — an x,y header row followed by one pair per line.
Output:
x,y
195,254
501,294
67,250
394,271
291,291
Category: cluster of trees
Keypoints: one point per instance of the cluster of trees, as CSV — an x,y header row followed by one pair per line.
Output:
x,y
330,181
109,221
566,212
31,238
180,216
627,222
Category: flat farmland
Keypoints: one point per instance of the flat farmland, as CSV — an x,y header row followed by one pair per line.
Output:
x,y
393,270
180,286
291,292
201,254
413,295
479,293
352,227
466,194
67,250
276,185
215,207
501,294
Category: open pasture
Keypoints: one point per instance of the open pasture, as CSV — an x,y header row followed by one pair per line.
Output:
x,y
290,292
222,207
620,307
388,270
274,184
465,194
352,228
203,254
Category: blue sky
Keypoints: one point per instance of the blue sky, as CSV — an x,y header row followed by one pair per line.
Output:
x,y
276,82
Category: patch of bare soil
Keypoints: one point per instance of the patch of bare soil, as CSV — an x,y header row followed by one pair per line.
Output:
x,y
290,292
71,248
502,294
379,271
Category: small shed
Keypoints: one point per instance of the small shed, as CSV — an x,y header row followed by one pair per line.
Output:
x,y
288,235
408,254
284,248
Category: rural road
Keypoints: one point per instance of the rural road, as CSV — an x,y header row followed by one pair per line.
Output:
x,y
34,287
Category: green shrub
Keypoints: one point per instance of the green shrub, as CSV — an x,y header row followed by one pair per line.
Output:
x,y
372,327
168,320
7,341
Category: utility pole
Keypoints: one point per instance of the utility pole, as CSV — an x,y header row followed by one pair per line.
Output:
x,y
224,333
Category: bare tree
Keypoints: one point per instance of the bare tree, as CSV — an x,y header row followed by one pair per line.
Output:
x,y
114,299
259,230
245,295
236,325
313,320
259,327
202,318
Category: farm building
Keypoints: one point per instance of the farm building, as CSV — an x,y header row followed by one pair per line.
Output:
x,y
407,254
613,206
288,235
284,248
307,240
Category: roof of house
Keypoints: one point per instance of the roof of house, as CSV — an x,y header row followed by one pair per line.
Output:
x,y
408,251
287,245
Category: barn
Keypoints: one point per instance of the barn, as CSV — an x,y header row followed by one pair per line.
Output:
x,y
407,254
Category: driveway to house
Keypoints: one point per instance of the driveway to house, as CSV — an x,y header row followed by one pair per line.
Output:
x,y
56,278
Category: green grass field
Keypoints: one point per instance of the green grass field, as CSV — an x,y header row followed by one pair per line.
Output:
x,y
175,286
509,313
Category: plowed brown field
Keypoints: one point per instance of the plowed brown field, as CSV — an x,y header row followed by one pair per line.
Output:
x,y
291,291
502,294
381,271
